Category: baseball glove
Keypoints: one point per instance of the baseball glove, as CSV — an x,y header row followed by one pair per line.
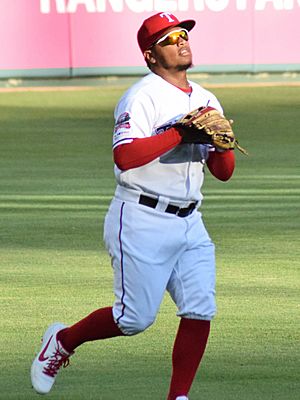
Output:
x,y
206,125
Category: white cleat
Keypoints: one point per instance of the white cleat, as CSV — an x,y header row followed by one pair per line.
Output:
x,y
49,360
182,398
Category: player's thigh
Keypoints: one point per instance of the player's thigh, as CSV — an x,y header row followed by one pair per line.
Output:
x,y
192,283
143,252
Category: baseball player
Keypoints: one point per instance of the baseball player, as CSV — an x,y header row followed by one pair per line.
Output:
x,y
153,230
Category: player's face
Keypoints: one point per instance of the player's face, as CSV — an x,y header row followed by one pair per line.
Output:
x,y
172,51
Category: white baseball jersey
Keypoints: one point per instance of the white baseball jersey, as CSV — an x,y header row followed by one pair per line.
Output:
x,y
148,108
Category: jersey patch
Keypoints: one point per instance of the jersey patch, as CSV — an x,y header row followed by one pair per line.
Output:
x,y
123,122
122,130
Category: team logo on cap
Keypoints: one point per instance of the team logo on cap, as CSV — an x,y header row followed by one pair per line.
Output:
x,y
169,16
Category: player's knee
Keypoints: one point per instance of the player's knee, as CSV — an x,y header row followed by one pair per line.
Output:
x,y
204,309
135,326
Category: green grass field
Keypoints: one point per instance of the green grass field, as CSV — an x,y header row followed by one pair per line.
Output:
x,y
56,183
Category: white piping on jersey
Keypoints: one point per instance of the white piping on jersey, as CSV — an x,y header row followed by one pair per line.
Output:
x,y
188,180
192,146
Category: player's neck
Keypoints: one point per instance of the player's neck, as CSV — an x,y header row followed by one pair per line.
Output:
x,y
178,79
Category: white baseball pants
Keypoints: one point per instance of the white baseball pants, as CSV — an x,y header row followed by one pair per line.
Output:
x,y
153,251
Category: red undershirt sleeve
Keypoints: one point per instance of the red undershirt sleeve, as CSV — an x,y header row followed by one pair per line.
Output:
x,y
221,164
141,151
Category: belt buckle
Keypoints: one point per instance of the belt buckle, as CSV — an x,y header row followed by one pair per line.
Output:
x,y
189,209
183,212
192,207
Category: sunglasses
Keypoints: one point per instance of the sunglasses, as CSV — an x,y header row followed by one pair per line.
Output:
x,y
173,37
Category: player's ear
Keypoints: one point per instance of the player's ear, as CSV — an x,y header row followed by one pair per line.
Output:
x,y
149,57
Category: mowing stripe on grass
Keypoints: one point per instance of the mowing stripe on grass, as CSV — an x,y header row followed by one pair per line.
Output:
x,y
223,192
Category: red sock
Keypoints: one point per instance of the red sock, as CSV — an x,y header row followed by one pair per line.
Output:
x,y
188,350
98,325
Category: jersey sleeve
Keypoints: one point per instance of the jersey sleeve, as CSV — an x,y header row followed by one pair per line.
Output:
x,y
134,118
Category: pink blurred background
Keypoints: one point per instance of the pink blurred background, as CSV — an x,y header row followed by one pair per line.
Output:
x,y
91,34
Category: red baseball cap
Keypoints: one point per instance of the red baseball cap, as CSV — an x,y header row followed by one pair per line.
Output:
x,y
153,28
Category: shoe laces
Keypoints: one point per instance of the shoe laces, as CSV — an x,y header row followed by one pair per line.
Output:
x,y
55,362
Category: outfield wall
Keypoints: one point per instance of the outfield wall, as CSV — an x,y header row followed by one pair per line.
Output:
x,y
67,38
